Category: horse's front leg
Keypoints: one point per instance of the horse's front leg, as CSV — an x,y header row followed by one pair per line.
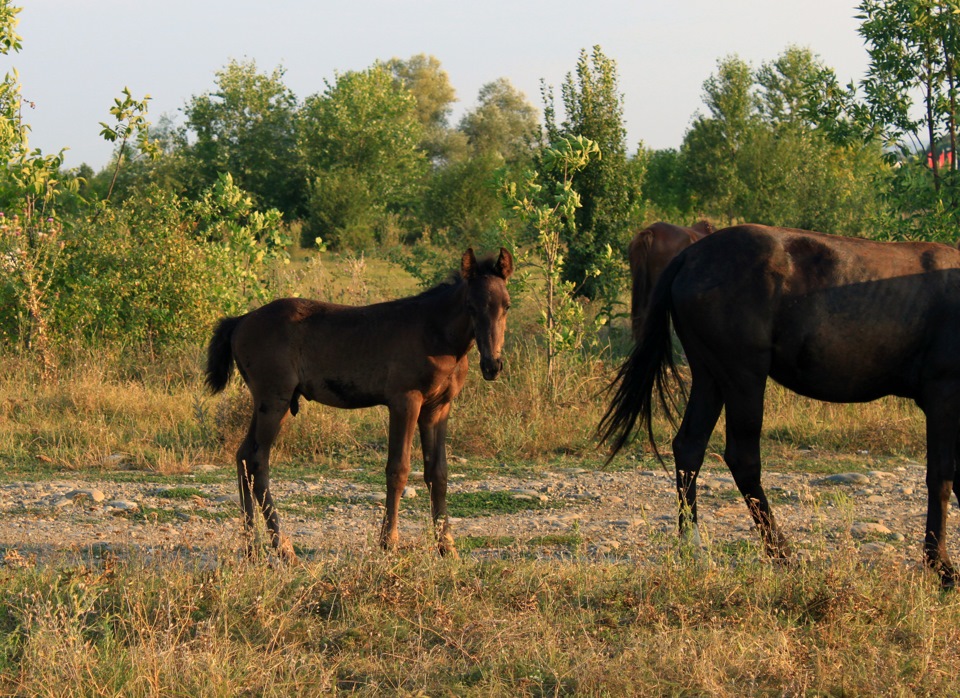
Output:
x,y
403,418
433,438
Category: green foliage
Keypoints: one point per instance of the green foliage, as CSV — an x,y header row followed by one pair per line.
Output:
x,y
361,138
423,77
247,126
158,270
503,124
773,149
131,118
594,110
548,204
914,48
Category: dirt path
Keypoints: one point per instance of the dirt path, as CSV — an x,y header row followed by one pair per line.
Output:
x,y
629,514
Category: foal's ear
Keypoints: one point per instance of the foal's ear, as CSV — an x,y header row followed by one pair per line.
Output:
x,y
468,265
505,264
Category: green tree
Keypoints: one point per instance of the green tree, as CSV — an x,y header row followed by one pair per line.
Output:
x,y
462,202
30,232
361,135
424,77
247,126
715,141
593,109
503,123
914,48
547,203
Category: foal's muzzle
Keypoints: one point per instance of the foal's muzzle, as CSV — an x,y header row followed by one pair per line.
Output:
x,y
490,368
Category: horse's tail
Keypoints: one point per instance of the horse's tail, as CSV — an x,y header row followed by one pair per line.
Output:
x,y
220,354
639,254
645,370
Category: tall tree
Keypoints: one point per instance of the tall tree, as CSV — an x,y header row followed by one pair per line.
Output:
x,y
503,123
360,141
715,140
424,77
593,109
914,48
247,127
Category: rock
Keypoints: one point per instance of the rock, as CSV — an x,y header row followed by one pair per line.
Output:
x,y
863,529
875,548
92,494
376,497
114,460
409,492
846,479
121,505
626,523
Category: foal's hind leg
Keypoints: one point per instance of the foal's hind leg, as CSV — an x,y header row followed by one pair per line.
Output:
x,y
744,404
253,471
690,445
403,419
433,438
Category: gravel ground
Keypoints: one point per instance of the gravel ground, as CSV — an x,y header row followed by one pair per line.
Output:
x,y
629,514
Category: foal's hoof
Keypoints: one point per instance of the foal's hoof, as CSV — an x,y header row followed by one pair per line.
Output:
x,y
446,547
285,551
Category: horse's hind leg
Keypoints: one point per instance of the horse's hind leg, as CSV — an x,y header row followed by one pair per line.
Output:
x,y
942,440
433,439
253,470
690,445
403,419
744,422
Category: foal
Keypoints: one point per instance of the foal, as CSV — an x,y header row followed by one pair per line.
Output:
x,y
408,354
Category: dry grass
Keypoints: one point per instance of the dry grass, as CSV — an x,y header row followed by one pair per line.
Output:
x,y
413,624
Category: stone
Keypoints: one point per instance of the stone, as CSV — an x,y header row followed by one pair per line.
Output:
x,y
862,529
92,494
409,492
121,505
846,479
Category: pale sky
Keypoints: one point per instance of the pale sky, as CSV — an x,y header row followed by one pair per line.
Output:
x,y
79,54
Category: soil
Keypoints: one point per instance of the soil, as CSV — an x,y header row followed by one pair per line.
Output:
x,y
626,514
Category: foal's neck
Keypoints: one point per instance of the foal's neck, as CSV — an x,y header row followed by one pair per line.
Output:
x,y
453,319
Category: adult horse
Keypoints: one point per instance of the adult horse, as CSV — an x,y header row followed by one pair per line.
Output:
x,y
649,253
408,354
833,318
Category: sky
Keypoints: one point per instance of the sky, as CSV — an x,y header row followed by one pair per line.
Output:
x,y
79,54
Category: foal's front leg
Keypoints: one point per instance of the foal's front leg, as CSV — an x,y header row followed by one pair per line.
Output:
x,y
433,438
403,419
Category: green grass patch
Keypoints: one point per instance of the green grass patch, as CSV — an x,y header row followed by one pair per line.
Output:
x,y
181,492
466,544
483,503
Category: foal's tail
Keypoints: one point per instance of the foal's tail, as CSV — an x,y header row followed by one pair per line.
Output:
x,y
220,354
645,370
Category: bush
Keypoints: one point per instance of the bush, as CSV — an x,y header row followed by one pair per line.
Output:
x,y
159,270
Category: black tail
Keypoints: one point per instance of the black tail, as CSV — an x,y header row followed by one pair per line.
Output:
x,y
220,354
645,369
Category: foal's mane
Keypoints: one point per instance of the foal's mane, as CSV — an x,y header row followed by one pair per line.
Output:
x,y
485,266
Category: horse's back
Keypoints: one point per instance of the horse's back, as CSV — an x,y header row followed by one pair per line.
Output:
x,y
836,318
